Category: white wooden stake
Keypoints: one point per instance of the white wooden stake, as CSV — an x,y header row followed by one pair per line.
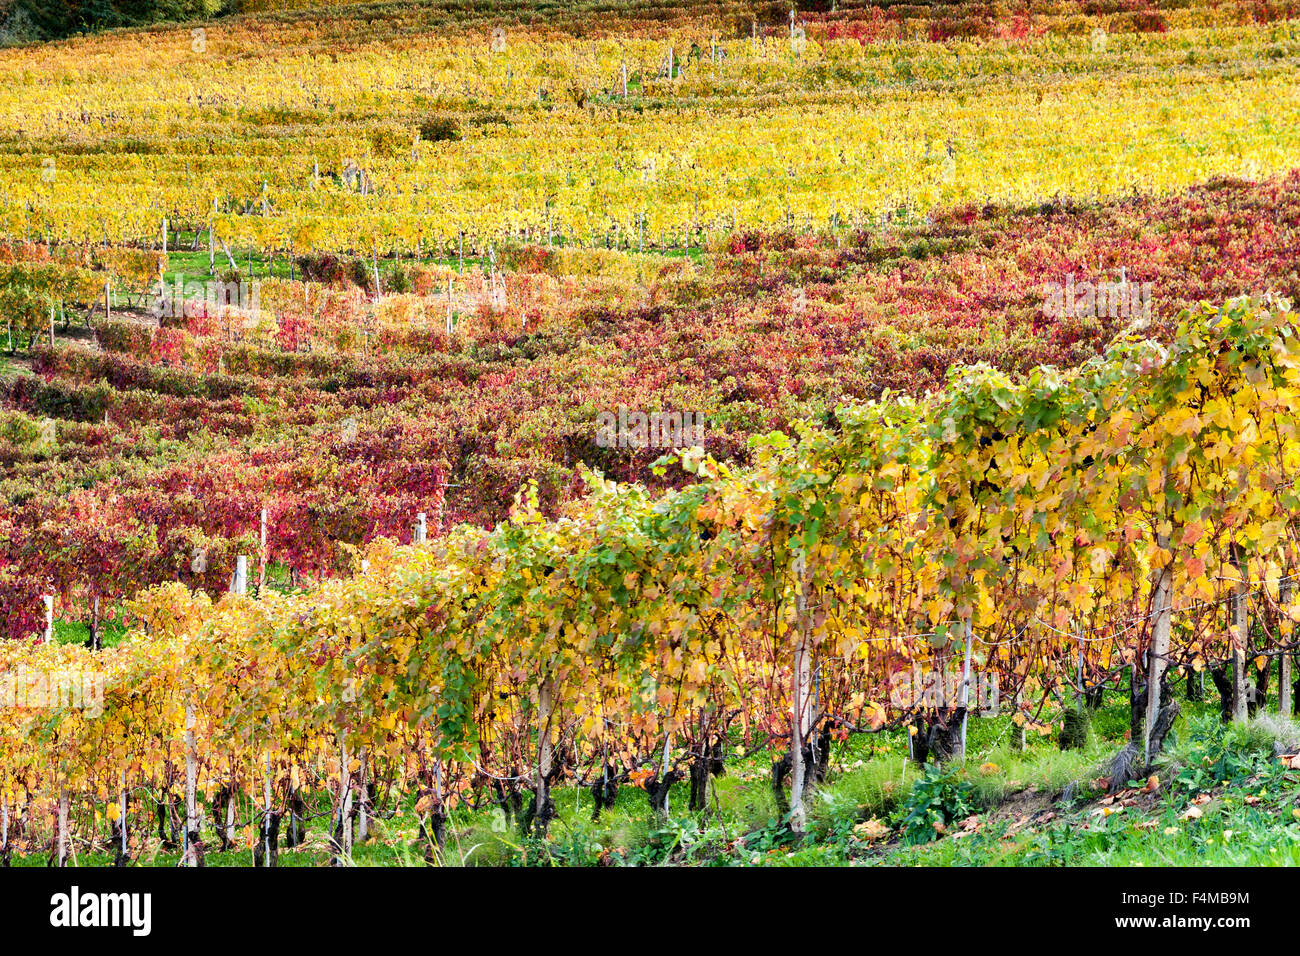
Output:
x,y
122,818
266,824
965,688
1240,639
261,584
241,575
189,856
345,801
801,717
363,802
49,619
62,853
1162,605
1284,663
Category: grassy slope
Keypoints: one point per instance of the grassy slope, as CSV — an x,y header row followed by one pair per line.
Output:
x,y
1040,807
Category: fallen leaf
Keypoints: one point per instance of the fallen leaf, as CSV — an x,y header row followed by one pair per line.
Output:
x,y
1153,784
871,830
1192,813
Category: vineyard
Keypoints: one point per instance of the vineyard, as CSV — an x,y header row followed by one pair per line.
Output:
x,y
447,433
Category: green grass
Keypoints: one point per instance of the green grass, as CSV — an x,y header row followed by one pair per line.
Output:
x,y
194,265
111,632
9,366
1222,798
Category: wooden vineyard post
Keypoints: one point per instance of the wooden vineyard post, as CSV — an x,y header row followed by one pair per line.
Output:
x,y
261,582
1240,636
96,639
108,298
51,326
801,694
49,619
122,807
228,833
449,321
1284,705
1079,679
1162,604
347,804
363,801
164,236
343,845
268,857
190,853
240,584
421,528
61,834
965,688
